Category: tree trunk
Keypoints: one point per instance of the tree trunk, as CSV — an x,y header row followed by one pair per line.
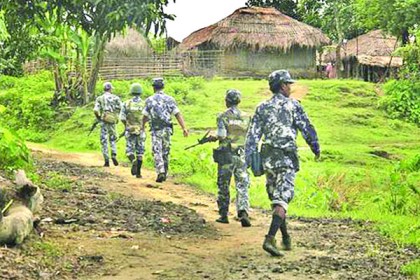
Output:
x,y
97,61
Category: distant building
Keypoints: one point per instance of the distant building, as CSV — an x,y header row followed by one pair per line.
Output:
x,y
369,56
258,40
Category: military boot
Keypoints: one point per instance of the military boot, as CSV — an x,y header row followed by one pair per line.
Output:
x,y
243,217
287,242
114,160
106,163
138,168
161,177
131,158
269,246
223,219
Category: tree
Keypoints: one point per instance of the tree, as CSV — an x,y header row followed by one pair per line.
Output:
x,y
399,17
99,19
288,7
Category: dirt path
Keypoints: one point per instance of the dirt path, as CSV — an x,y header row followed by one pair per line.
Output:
x,y
323,249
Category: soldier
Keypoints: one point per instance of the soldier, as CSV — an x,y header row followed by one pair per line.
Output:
x,y
277,120
107,108
131,116
158,110
232,126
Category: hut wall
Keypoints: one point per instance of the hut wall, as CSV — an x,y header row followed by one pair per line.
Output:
x,y
300,61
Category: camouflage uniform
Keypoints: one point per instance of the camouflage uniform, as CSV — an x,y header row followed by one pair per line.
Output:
x,y
231,128
278,120
158,109
131,113
108,106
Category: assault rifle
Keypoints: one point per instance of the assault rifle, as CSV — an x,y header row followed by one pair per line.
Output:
x,y
94,125
205,139
120,136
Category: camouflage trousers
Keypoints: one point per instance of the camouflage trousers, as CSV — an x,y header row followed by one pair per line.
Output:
x,y
280,186
238,169
108,132
161,145
134,144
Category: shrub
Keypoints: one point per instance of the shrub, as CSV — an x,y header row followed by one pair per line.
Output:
x,y
402,100
13,152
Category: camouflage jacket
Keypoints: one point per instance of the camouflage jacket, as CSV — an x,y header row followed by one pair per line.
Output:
x,y
107,102
158,109
232,126
278,120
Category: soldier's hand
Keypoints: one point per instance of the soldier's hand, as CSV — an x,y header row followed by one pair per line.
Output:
x,y
318,156
185,132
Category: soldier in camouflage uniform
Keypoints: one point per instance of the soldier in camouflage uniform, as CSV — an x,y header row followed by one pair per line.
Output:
x,y
277,121
131,116
232,126
107,108
158,111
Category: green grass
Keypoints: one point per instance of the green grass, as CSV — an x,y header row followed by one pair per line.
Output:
x,y
351,180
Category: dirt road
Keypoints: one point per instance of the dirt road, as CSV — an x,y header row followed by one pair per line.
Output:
x,y
323,249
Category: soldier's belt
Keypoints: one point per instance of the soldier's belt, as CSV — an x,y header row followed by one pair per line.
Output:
x,y
160,126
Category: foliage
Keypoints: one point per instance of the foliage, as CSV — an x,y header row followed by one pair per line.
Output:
x,y
288,7
13,152
27,107
396,16
72,23
402,100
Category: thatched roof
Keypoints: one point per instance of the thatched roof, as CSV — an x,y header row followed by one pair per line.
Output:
x,y
256,28
373,48
131,44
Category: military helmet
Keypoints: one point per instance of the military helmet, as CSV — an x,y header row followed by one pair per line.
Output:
x,y
136,89
280,77
158,82
233,96
108,86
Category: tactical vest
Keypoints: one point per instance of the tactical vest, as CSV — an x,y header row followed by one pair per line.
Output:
x,y
237,127
134,116
109,117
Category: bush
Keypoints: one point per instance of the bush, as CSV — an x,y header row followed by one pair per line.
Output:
x,y
402,100
13,152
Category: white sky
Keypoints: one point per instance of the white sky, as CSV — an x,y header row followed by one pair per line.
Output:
x,y
192,15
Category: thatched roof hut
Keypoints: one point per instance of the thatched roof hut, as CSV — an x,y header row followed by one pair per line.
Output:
x,y
369,56
256,28
131,44
374,48
258,40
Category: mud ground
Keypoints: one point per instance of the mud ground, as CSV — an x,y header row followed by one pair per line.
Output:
x,y
104,224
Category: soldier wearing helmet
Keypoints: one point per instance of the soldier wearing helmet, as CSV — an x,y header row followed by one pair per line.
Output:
x,y
277,121
131,116
232,127
107,107
158,111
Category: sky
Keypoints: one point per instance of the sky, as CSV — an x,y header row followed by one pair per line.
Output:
x,y
192,15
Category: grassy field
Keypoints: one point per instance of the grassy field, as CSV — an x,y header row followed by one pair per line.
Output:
x,y
370,167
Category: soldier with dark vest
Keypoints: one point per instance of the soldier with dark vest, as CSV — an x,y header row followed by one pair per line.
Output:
x,y
232,127
107,108
277,122
131,116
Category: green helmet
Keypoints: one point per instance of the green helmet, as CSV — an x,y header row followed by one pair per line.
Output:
x,y
136,89
233,96
280,77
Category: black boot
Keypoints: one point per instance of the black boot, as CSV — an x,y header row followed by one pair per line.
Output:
x,y
166,166
270,246
243,217
106,163
131,158
286,239
114,159
161,177
223,219
138,168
